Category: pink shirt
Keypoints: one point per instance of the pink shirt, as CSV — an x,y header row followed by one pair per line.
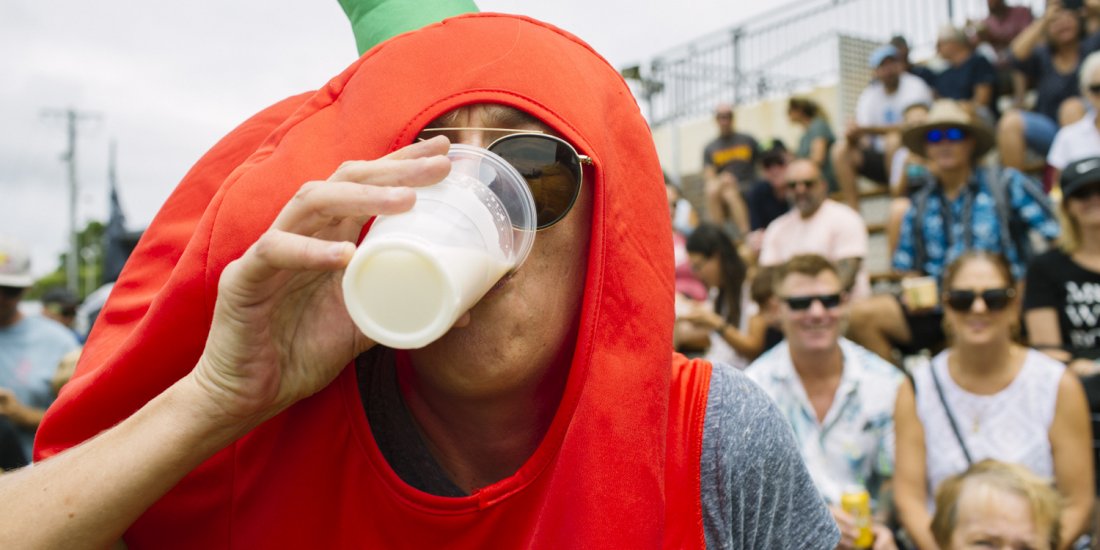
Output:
x,y
1002,31
835,231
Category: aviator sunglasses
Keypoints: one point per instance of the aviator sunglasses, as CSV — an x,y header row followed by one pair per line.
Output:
x,y
995,299
800,303
552,168
946,134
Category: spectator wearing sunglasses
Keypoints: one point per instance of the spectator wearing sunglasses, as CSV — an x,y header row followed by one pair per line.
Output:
x,y
1081,139
837,396
1046,55
553,415
988,397
1062,302
729,170
31,347
816,224
960,208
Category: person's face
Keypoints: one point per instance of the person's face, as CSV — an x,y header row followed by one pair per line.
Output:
x,y
815,328
889,72
988,318
527,323
903,51
949,149
805,188
776,174
1084,206
995,521
1064,27
708,270
724,119
9,303
1093,84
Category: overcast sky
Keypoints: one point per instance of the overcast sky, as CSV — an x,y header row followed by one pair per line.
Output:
x,y
167,80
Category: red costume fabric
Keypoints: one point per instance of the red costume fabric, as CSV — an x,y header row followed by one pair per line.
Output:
x,y
620,464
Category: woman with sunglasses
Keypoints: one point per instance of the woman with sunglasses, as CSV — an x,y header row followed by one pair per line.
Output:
x,y
986,396
728,323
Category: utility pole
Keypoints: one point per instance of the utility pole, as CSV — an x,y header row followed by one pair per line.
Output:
x,y
72,118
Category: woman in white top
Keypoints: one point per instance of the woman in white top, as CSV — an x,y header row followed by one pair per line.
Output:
x,y
729,325
999,400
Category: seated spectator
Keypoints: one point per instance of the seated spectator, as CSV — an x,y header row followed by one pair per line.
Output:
x,y
988,397
962,208
1080,139
1003,24
728,322
1052,67
969,76
768,198
908,173
817,137
762,292
729,170
924,73
996,504
818,225
878,115
838,397
1062,302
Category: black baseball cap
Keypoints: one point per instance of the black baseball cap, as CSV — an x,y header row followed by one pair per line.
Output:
x,y
1080,173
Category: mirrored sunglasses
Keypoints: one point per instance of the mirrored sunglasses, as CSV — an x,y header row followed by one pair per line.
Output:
x,y
552,168
945,134
801,303
995,299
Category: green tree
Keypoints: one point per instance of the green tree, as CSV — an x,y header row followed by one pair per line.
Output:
x,y
89,264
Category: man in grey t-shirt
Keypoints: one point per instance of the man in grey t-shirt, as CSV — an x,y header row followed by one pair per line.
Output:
x,y
729,171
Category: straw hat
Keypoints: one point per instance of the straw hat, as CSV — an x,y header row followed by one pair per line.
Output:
x,y
946,113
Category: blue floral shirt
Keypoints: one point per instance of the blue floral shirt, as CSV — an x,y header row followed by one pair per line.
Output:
x,y
854,445
943,244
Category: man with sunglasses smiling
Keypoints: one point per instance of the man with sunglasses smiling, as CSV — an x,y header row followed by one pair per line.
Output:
x,y
960,207
31,347
553,415
838,396
816,224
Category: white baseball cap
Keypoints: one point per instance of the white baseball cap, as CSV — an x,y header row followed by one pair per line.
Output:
x,y
15,264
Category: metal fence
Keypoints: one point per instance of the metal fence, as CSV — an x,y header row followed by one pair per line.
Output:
x,y
791,47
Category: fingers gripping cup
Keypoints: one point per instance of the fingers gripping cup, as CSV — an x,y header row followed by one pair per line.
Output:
x,y
416,272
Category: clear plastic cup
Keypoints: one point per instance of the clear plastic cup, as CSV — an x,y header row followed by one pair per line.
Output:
x,y
416,272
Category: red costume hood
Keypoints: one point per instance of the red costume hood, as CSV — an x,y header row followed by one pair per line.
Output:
x,y
619,465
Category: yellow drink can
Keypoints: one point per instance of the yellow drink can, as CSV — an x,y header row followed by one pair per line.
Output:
x,y
856,501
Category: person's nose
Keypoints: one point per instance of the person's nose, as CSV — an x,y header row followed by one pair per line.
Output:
x,y
816,308
979,305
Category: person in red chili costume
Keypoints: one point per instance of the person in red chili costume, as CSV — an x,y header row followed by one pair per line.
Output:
x,y
236,404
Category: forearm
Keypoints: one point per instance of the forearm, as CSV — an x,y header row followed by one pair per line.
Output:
x,y
918,524
27,417
1076,519
1026,41
744,344
848,269
89,495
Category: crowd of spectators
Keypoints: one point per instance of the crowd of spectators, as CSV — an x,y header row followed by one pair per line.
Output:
x,y
991,153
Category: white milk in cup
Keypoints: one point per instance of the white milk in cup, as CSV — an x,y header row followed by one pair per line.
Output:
x,y
416,272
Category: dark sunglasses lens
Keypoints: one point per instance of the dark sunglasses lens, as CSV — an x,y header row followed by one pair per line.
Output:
x,y
1094,88
799,303
830,301
1085,193
10,291
552,171
960,300
935,136
996,299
